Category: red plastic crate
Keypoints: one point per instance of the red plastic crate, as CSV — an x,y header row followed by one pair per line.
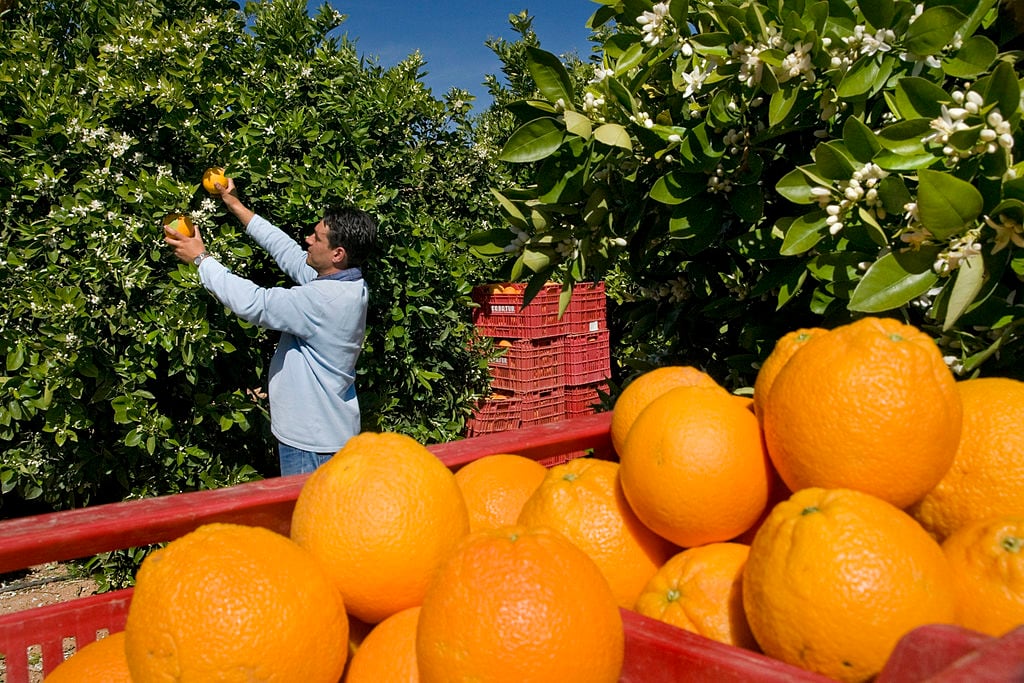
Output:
x,y
587,358
498,413
529,365
587,310
584,400
655,652
542,407
503,316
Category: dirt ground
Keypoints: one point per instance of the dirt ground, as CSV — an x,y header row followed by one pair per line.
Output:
x,y
45,584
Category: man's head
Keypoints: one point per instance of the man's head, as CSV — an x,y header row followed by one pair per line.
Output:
x,y
353,230
342,239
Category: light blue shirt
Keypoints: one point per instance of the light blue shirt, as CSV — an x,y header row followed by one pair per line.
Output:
x,y
313,403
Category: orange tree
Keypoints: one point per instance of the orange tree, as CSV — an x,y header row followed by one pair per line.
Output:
x,y
122,376
736,170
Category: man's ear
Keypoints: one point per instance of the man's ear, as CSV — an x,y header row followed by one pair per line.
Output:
x,y
339,257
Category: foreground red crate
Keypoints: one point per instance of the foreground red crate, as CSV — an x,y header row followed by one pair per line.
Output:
x,y
655,652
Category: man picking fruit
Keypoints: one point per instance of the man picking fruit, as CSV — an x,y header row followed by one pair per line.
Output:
x,y
313,405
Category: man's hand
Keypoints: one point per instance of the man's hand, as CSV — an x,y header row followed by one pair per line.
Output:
x,y
233,203
185,248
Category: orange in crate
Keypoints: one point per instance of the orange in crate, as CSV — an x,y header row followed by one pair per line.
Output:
x,y
655,652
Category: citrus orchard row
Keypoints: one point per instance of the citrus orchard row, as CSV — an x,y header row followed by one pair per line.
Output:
x,y
862,492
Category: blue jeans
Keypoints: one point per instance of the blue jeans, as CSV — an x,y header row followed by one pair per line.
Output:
x,y
297,461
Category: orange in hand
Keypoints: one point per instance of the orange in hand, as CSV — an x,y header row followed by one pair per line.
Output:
x,y
180,222
212,177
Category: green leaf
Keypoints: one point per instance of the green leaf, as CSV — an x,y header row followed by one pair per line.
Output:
x,y
879,13
970,278
795,187
15,358
946,205
892,161
578,124
920,98
533,141
621,94
614,135
1010,207
675,187
511,211
904,137
894,194
887,285
550,76
861,78
678,11
860,140
1014,189
832,162
1003,88
631,58
781,104
973,58
802,232
537,261
933,30
748,202
489,242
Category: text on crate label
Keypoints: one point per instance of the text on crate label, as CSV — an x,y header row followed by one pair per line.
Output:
x,y
503,308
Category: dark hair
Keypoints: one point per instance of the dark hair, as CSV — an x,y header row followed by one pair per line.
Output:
x,y
353,229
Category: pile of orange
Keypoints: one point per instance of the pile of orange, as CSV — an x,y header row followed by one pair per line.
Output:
x,y
817,522
862,426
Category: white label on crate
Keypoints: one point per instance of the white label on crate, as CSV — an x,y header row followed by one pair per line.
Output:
x,y
595,325
503,308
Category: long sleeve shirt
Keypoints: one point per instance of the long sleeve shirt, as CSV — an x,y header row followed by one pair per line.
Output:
x,y
322,321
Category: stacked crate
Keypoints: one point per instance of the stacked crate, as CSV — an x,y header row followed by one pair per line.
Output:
x,y
552,367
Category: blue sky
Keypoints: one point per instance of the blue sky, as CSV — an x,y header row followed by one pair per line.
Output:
x,y
450,34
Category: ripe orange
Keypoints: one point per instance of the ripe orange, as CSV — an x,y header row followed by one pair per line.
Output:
x,y
835,577
694,468
496,486
180,222
388,653
582,499
102,661
785,347
987,557
519,604
647,387
987,476
869,406
380,516
232,603
214,175
701,590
